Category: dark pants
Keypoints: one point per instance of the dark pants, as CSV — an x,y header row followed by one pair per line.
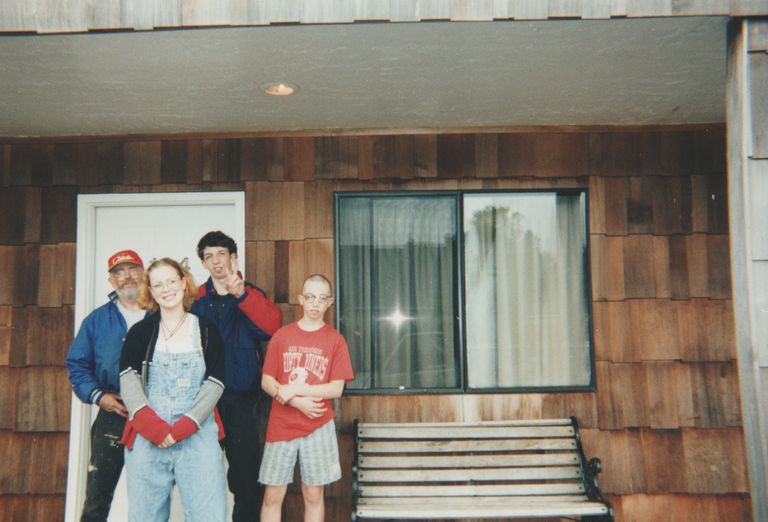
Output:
x,y
242,446
105,465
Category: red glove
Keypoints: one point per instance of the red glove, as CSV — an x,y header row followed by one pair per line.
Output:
x,y
183,428
150,425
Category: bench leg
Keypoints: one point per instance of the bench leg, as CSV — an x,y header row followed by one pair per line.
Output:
x,y
601,518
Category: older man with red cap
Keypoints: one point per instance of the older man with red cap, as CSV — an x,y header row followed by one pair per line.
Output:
x,y
92,363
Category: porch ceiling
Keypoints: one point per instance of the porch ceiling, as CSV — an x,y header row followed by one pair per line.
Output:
x,y
365,76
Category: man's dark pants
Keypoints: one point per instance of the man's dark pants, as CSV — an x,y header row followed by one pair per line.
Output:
x,y
241,444
105,465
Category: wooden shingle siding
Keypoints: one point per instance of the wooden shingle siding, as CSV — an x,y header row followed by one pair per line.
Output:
x,y
669,461
581,405
544,155
336,157
58,219
649,7
665,418
311,256
17,355
716,398
667,395
42,399
281,271
19,274
15,448
221,160
639,205
260,256
757,39
49,335
56,283
670,397
702,508
715,460
299,159
706,330
261,159
392,157
758,67
6,313
25,454
747,194
274,211
664,461
47,16
318,210
678,267
141,162
666,206
10,380
48,452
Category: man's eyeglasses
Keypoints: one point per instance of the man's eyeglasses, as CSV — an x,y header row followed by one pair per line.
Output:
x,y
320,298
172,284
135,273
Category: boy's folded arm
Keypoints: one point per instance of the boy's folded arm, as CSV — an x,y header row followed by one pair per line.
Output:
x,y
312,407
330,390
269,384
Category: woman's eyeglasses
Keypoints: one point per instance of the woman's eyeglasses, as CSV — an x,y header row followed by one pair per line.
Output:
x,y
172,284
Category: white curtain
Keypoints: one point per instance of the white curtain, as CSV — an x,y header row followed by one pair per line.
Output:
x,y
527,315
397,278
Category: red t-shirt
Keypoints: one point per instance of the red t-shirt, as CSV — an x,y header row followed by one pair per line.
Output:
x,y
298,356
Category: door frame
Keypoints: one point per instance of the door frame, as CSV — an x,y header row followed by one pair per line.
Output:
x,y
87,206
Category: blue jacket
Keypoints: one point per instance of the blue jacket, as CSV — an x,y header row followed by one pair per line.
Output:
x,y
94,356
244,323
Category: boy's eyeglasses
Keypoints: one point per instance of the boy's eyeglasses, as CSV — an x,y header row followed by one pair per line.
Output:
x,y
320,298
172,284
135,273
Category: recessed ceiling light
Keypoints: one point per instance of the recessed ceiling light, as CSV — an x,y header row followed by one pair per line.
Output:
x,y
279,89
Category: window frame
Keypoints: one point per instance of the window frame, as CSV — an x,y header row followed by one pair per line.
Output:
x,y
459,299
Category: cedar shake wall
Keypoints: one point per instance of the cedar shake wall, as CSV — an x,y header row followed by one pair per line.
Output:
x,y
44,16
747,137
665,419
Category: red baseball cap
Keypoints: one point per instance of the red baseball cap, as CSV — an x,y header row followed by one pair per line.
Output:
x,y
124,256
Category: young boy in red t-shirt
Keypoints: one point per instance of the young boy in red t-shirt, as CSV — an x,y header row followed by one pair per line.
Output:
x,y
307,365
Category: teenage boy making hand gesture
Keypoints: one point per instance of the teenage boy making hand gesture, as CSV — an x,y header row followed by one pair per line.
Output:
x,y
245,317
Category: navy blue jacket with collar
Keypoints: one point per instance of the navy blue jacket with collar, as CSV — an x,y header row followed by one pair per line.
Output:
x,y
243,324
94,357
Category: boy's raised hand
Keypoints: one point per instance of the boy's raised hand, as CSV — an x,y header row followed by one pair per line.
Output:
x,y
233,283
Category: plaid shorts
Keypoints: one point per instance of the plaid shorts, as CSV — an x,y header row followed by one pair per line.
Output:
x,y
318,455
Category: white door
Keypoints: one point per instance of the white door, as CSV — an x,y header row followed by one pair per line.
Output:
x,y
155,226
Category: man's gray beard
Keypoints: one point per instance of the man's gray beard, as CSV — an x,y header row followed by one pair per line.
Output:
x,y
130,295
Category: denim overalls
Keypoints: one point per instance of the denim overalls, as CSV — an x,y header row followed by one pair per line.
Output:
x,y
195,464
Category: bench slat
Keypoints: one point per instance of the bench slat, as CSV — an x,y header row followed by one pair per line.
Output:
x,y
472,490
468,461
470,500
528,422
455,475
466,446
554,509
464,432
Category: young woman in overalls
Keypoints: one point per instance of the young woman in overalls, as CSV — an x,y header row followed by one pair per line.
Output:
x,y
171,376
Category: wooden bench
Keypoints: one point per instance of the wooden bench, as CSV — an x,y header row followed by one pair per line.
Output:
x,y
508,469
